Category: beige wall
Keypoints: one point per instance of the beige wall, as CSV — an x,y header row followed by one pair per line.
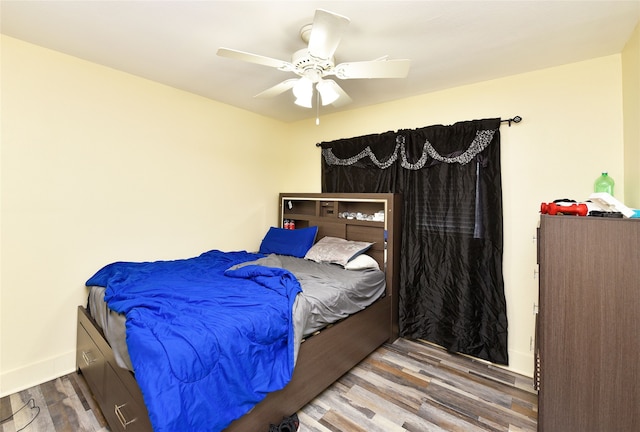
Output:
x,y
99,166
631,104
572,129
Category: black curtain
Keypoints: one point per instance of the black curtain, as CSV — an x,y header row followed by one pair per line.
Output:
x,y
451,285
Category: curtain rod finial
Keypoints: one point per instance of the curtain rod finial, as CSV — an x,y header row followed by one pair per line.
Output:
x,y
516,119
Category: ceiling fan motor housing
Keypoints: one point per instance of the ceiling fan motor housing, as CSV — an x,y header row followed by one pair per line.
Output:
x,y
308,66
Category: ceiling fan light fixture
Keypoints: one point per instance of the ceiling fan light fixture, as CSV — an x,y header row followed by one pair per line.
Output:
x,y
328,94
303,88
304,102
303,91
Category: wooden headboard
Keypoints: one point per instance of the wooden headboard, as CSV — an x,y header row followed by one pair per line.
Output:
x,y
346,216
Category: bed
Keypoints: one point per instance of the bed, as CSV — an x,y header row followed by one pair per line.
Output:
x,y
321,353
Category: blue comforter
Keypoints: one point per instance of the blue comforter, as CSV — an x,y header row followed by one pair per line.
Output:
x,y
206,343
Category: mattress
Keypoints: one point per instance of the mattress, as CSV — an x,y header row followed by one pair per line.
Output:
x,y
329,293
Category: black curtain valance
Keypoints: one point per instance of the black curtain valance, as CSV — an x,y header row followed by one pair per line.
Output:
x,y
480,142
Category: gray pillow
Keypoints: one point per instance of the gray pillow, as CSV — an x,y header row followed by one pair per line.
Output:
x,y
336,250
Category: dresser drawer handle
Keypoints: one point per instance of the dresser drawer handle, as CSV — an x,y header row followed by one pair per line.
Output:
x,y
121,418
88,357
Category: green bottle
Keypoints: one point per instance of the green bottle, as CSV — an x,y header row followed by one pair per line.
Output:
x,y
604,183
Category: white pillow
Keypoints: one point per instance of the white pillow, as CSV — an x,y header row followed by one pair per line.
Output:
x,y
362,262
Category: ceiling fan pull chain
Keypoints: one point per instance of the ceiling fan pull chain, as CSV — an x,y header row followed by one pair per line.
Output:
x,y
317,108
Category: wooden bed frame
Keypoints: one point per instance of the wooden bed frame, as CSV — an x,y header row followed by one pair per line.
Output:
x,y
322,358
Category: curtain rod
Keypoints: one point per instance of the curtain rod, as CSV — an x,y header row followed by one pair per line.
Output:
x,y
516,119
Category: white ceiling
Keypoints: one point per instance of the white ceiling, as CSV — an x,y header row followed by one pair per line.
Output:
x,y
450,43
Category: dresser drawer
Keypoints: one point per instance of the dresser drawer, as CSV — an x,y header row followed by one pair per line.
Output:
x,y
124,411
90,361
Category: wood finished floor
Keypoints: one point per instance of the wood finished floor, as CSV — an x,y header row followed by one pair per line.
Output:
x,y
404,386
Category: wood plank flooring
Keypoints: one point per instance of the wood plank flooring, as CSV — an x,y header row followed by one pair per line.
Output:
x,y
63,405
413,386
405,386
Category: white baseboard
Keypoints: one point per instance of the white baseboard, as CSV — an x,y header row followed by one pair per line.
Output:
x,y
31,375
521,363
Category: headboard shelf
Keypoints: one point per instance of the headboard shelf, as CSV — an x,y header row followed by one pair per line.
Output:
x,y
327,212
312,218
360,209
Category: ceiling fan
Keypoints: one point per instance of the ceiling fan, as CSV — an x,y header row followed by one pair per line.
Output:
x,y
316,62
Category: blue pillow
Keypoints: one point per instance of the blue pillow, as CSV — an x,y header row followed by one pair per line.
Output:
x,y
294,242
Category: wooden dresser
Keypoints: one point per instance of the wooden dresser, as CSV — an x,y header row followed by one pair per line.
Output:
x,y
588,342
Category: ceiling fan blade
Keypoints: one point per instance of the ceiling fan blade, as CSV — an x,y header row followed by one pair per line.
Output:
x,y
326,32
255,58
343,97
373,69
278,88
